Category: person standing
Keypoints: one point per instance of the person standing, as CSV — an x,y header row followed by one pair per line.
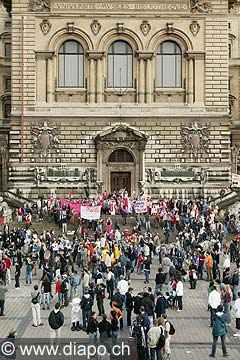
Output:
x,y
92,326
3,290
214,300
29,269
179,294
219,329
146,267
75,313
129,305
55,321
35,304
237,311
86,306
17,274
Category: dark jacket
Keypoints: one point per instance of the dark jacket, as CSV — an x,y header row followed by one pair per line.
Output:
x,y
117,298
137,304
128,301
160,278
92,326
148,305
105,327
55,319
161,306
219,325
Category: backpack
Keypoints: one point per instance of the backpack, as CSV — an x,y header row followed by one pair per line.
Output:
x,y
137,333
161,340
172,329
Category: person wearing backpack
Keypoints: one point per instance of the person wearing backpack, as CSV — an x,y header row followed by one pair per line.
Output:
x,y
86,306
156,339
169,331
35,304
138,333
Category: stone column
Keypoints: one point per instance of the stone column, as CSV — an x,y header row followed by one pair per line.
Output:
x,y
141,81
99,161
149,81
142,146
91,80
99,81
49,80
199,79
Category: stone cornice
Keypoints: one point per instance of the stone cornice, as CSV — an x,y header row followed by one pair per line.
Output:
x,y
95,54
195,55
145,55
44,54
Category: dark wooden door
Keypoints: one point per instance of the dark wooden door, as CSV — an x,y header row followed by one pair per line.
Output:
x,y
121,180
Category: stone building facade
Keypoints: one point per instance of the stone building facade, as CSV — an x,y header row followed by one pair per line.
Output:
x,y
139,95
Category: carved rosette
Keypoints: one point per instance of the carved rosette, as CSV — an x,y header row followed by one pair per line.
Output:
x,y
201,6
194,27
145,27
45,138
40,5
95,27
45,26
195,138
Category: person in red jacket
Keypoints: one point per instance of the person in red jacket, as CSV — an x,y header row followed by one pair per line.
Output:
x,y
8,263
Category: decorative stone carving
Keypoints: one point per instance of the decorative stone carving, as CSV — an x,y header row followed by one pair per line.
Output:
x,y
195,138
141,185
201,6
39,5
194,27
151,175
89,175
45,138
120,27
5,211
39,174
70,27
45,26
95,27
170,28
99,186
145,27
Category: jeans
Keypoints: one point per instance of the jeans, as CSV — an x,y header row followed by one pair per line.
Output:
x,y
235,291
46,300
129,313
2,302
17,283
214,344
147,275
212,315
85,316
29,277
179,301
36,314
154,351
92,336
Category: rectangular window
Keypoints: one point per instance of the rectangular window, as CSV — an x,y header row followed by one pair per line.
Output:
x,y
6,111
7,84
8,50
8,24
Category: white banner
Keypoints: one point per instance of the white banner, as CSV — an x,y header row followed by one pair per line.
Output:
x,y
90,212
140,206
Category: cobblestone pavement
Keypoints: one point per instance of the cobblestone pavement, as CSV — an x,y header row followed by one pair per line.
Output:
x,y
192,340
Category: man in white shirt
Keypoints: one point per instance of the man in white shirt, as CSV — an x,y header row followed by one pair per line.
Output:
x,y
214,299
179,294
122,286
237,311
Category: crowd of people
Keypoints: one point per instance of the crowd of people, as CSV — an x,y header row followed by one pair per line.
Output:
x,y
94,265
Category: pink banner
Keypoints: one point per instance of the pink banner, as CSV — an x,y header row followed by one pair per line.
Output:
x,y
74,205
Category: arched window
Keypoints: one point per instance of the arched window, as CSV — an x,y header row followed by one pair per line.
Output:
x,y
169,65
120,155
120,65
70,64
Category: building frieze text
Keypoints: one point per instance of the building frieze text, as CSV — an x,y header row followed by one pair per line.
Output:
x,y
164,5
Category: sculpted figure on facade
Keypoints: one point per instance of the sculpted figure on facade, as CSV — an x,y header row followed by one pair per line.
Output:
x,y
45,138
45,26
89,175
39,5
201,6
195,138
151,174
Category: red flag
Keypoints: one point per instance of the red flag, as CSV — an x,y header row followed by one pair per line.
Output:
x,y
91,250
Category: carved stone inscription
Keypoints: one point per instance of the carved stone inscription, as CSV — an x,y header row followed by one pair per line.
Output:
x,y
163,5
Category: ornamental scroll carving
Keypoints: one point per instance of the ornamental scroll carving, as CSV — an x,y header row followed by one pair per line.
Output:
x,y
195,138
95,27
45,138
39,5
194,27
145,27
201,6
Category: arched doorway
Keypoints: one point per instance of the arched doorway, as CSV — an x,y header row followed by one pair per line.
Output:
x,y
121,179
